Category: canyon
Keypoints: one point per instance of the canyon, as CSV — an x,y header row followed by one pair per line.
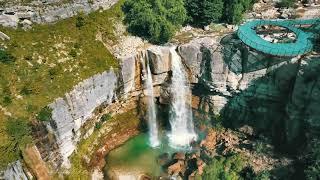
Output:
x,y
273,95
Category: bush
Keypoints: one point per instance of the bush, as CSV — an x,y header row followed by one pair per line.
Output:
x,y
98,125
80,21
6,57
105,117
285,3
45,114
204,12
154,20
7,100
224,168
19,131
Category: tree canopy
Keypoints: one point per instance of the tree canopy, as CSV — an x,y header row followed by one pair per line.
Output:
x,y
204,12
234,10
154,20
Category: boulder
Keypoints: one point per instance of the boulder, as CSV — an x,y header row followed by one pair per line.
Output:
x,y
176,168
3,36
15,171
179,156
9,20
210,141
159,58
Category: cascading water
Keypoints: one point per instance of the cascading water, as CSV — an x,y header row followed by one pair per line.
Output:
x,y
181,121
151,111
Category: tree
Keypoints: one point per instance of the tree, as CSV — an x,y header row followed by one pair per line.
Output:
x,y
204,12
234,10
154,20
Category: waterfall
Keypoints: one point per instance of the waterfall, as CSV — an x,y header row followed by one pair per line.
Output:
x,y
181,121
151,111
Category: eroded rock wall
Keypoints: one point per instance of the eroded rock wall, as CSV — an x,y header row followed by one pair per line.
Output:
x,y
14,12
244,86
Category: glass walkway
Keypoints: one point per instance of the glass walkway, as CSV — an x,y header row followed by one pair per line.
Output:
x,y
302,45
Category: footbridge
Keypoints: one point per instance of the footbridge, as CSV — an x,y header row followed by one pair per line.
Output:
x,y
302,44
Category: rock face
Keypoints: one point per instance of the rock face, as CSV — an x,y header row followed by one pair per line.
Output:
x,y
48,11
250,88
244,86
71,112
15,171
110,90
304,100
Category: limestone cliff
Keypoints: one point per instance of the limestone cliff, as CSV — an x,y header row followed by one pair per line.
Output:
x,y
244,86
14,12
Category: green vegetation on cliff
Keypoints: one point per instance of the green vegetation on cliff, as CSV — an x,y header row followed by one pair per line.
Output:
x,y
158,20
42,63
224,168
154,20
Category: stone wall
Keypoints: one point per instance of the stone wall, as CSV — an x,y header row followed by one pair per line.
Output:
x,y
14,12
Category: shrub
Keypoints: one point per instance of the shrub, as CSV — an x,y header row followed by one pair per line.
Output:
x,y
105,117
45,114
154,20
285,3
73,53
80,21
204,12
98,125
26,91
7,100
224,168
6,57
19,131
18,135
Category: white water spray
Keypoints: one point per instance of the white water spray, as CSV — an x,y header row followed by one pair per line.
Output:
x,y
182,129
151,111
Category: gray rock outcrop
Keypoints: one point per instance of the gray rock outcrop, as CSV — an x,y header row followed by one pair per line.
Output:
x,y
15,171
48,11
70,112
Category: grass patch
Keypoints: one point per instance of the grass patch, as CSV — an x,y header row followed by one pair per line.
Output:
x,y
50,59
88,147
